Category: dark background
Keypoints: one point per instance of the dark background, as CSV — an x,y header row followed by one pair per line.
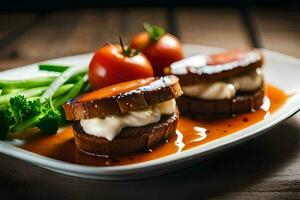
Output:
x,y
63,4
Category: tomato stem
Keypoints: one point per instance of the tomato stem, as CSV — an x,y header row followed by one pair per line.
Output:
x,y
122,45
154,32
128,51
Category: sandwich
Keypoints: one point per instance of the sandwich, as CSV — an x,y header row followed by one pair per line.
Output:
x,y
126,117
220,85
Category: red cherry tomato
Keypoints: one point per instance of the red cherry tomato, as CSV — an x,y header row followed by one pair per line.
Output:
x,y
110,66
161,53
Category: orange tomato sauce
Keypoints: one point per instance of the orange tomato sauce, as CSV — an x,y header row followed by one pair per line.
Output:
x,y
190,133
115,89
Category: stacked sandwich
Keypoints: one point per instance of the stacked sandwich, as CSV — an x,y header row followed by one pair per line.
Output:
x,y
220,85
125,117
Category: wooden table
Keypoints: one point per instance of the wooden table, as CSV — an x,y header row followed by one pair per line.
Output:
x,y
267,167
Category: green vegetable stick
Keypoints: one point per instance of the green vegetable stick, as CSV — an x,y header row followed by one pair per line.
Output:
x,y
4,99
11,90
60,80
53,67
27,93
27,83
63,89
74,92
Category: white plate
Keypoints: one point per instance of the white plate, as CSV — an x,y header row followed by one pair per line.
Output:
x,y
280,70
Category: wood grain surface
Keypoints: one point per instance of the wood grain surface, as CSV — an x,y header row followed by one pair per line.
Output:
x,y
267,167
215,27
280,29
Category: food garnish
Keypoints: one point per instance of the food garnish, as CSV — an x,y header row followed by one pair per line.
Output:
x,y
113,64
60,80
161,48
37,102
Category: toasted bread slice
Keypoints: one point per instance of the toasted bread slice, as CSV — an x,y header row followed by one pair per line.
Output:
x,y
213,109
192,70
131,139
123,97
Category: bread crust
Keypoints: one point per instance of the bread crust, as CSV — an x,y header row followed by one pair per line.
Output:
x,y
195,75
214,109
160,90
131,139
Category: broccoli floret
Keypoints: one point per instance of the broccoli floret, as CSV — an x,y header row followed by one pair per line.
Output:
x,y
12,114
34,107
21,108
22,114
49,119
19,103
18,106
49,123
5,121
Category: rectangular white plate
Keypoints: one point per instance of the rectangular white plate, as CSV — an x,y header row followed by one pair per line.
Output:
x,y
280,70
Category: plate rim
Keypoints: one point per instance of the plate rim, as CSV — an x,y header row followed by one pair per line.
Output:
x,y
189,154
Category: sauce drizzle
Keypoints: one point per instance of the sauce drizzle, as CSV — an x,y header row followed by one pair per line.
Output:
x,y
190,133
115,89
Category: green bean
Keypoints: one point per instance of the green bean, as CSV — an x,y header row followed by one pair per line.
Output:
x,y
11,90
60,80
53,67
4,99
74,92
35,92
27,83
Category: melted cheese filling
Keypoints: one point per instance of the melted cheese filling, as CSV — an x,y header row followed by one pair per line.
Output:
x,y
216,90
248,82
226,90
109,127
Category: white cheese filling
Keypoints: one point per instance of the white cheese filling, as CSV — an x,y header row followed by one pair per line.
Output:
x,y
226,90
109,127
216,90
248,82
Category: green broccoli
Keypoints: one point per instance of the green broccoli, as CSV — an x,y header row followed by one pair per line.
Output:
x,y
5,121
49,122
47,119
21,106
17,110
25,104
22,114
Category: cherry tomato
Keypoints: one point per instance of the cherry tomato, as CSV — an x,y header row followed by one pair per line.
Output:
x,y
162,50
110,66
